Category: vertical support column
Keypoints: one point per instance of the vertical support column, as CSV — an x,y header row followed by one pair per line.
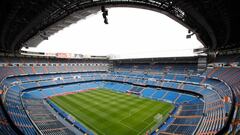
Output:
x,y
202,64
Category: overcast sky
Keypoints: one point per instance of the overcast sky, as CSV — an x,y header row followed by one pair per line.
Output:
x,y
131,33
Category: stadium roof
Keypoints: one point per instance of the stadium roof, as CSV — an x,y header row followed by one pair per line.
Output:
x,y
28,22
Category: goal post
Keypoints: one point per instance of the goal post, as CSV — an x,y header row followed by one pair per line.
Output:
x,y
158,117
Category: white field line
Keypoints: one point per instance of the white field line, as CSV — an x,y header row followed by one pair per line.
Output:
x,y
128,126
145,127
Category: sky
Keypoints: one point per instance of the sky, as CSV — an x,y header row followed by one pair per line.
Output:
x,y
131,33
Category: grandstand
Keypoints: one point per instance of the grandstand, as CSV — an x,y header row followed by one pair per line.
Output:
x,y
199,99
203,91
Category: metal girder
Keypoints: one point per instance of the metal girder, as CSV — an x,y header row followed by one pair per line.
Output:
x,y
22,20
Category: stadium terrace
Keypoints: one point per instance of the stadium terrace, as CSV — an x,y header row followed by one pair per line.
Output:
x,y
203,102
66,95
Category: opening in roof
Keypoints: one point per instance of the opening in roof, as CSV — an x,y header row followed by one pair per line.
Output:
x,y
131,33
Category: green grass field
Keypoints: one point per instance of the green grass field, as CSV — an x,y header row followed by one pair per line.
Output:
x,y
109,113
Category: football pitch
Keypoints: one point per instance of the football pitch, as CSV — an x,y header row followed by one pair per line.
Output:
x,y
109,113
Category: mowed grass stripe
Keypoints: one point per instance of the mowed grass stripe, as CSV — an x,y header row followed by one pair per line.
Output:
x,y
97,95
105,121
101,103
109,101
79,113
102,116
101,106
109,95
87,109
111,113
